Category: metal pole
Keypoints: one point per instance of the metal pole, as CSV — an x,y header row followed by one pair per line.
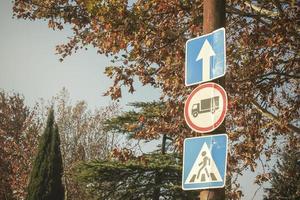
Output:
x,y
214,18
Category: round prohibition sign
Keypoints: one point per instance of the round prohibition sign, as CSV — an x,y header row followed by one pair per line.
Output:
x,y
206,107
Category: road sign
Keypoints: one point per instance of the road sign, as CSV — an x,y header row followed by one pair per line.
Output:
x,y
206,107
205,58
204,162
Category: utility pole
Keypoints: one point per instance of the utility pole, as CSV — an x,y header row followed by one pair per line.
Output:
x,y
214,18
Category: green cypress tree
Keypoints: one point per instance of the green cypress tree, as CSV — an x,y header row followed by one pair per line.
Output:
x,y
45,180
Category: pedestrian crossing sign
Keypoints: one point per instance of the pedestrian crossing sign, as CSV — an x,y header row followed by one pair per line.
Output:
x,y
204,162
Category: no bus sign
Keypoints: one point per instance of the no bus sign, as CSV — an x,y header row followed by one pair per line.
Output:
x,y
206,107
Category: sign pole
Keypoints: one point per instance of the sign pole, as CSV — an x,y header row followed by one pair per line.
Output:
x,y
214,18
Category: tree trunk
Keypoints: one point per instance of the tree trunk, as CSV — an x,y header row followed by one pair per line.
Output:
x,y
157,180
214,18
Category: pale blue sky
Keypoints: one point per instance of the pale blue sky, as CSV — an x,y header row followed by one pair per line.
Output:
x,y
28,65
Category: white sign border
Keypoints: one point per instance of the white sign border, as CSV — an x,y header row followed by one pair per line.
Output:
x,y
185,64
225,170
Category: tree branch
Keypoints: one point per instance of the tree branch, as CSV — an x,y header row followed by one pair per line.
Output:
x,y
294,76
233,10
273,117
279,7
263,11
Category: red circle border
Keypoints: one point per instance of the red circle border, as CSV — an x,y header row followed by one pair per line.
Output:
x,y
221,118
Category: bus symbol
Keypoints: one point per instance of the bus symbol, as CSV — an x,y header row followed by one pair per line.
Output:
x,y
205,105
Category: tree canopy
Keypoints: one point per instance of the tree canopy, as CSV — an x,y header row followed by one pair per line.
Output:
x,y
19,132
80,129
127,174
287,171
146,39
82,135
135,178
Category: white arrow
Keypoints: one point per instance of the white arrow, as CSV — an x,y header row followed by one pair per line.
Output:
x,y
205,53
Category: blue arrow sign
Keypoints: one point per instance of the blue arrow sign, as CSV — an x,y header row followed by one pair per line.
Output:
x,y
204,162
205,58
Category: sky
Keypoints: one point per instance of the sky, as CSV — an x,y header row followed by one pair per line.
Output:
x,y
28,65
